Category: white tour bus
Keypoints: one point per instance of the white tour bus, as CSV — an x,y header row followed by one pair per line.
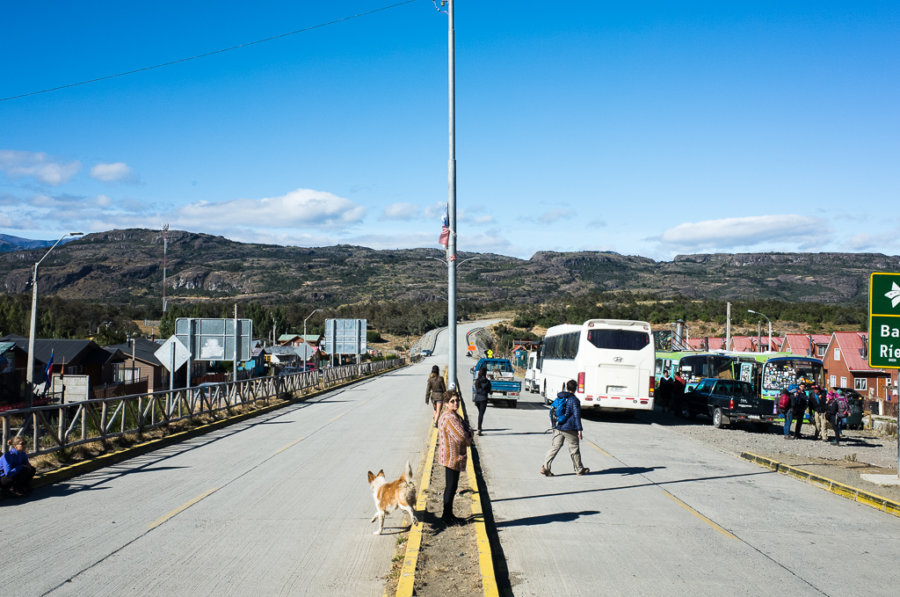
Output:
x,y
611,359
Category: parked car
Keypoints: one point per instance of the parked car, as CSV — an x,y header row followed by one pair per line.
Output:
x,y
426,353
855,401
727,401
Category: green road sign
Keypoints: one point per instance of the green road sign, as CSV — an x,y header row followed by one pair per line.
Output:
x,y
884,321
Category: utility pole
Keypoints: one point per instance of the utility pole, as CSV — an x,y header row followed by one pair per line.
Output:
x,y
165,232
451,200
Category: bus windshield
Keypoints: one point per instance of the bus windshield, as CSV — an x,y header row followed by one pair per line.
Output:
x,y
787,372
618,339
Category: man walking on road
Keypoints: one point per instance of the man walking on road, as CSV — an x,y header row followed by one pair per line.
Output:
x,y
566,428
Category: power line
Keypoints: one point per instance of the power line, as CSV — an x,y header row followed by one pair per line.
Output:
x,y
207,54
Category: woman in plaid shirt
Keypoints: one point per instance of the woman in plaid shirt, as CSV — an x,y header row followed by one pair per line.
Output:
x,y
454,436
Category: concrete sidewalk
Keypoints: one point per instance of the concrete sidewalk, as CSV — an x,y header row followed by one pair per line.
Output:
x,y
851,480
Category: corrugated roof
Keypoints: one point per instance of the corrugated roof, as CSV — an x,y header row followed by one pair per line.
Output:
x,y
853,346
143,350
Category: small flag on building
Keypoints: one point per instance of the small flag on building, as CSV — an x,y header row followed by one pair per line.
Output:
x,y
444,239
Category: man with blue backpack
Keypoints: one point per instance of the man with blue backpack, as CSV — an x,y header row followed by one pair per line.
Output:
x,y
565,417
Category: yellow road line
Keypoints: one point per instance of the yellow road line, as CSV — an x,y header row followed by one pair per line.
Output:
x,y
599,449
290,445
414,541
182,508
698,515
485,559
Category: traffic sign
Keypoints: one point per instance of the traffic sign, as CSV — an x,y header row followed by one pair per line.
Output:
x,y
172,354
884,320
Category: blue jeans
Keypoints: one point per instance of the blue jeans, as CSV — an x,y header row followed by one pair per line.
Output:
x,y
788,417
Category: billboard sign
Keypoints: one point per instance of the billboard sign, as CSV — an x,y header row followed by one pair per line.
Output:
x,y
345,336
215,339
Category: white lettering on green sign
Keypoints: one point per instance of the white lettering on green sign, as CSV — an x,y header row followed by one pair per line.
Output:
x,y
889,352
889,332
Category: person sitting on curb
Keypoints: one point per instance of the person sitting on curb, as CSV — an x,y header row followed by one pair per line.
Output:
x,y
567,429
15,470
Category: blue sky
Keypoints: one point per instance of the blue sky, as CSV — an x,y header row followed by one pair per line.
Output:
x,y
646,128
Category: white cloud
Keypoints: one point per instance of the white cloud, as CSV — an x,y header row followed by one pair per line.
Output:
x,y
401,211
548,217
103,201
19,164
728,233
114,172
302,207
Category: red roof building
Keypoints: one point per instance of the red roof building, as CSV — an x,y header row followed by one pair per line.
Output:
x,y
847,366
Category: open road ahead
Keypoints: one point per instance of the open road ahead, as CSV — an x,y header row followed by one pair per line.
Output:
x,y
279,505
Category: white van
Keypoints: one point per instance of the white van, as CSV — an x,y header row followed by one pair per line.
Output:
x,y
532,374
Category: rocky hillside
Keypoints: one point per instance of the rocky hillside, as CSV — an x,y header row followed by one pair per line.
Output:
x,y
126,265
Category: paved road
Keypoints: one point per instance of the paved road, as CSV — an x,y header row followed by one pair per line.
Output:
x,y
661,514
279,505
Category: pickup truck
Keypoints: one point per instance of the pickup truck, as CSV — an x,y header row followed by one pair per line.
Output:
x,y
503,384
728,401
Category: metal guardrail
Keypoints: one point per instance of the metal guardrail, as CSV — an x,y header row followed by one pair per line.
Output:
x,y
61,426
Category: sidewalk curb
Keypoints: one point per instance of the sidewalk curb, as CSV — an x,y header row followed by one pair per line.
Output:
x,y
846,491
406,582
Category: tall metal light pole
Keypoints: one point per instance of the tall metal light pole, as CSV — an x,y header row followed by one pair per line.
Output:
x,y
29,370
770,325
305,345
451,200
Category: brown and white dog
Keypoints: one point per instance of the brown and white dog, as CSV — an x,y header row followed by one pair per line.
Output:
x,y
390,496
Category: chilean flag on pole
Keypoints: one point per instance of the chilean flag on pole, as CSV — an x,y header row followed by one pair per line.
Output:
x,y
444,239
48,368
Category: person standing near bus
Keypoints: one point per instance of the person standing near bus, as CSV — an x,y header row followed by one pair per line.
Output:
x,y
798,406
567,429
664,390
676,393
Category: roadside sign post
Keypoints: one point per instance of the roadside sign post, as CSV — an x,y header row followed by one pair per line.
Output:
x,y
172,354
884,328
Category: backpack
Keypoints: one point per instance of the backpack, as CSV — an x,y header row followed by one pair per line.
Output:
x,y
784,402
843,407
556,411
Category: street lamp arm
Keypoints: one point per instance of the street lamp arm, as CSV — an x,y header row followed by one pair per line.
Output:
x,y
305,345
32,329
54,246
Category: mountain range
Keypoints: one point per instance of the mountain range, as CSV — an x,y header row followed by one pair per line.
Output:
x,y
121,266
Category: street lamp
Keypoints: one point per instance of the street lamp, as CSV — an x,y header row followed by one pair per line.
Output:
x,y
770,325
29,371
305,345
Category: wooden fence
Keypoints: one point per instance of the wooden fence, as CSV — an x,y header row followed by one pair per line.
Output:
x,y
57,427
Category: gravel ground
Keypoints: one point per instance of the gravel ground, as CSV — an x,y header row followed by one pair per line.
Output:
x,y
862,452
867,447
